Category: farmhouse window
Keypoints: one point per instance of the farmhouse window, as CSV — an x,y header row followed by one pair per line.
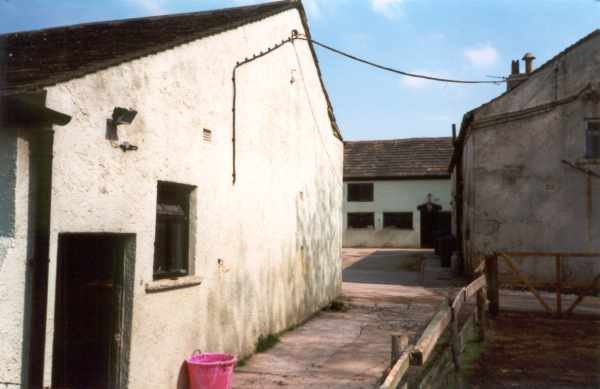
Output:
x,y
401,220
592,143
171,247
361,220
360,192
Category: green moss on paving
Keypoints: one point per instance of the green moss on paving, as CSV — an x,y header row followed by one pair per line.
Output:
x,y
266,342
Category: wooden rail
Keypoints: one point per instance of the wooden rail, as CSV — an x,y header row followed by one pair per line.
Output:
x,y
448,312
507,257
448,315
400,361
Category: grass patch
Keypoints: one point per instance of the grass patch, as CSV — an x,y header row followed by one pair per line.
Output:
x,y
266,342
471,354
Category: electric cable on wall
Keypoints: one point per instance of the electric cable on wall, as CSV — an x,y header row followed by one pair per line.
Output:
x,y
296,36
397,71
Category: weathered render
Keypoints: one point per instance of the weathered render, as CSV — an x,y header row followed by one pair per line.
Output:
x,y
405,173
514,188
264,249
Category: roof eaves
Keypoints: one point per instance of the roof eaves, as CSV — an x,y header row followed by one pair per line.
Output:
x,y
468,117
330,112
102,65
543,66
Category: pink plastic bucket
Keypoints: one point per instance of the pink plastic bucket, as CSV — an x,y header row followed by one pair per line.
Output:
x,y
211,370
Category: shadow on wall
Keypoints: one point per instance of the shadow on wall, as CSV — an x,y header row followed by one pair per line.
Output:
x,y
303,279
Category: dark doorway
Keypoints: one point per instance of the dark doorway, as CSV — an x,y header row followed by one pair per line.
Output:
x,y
434,223
93,311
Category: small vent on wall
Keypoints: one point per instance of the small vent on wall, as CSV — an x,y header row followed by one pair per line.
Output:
x,y
206,135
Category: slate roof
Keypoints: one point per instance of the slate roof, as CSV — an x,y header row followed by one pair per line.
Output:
x,y
397,158
31,60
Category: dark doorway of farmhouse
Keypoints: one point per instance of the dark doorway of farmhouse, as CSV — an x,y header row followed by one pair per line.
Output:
x,y
434,223
93,311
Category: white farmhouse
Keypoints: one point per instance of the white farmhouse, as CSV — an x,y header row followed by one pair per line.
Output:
x,y
396,192
164,187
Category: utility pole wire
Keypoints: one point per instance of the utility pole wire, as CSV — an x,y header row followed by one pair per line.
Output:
x,y
355,58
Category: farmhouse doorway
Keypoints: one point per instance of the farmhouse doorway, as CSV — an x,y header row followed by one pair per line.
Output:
x,y
434,223
93,311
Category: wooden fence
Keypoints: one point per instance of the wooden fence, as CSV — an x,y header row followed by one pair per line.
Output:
x,y
491,265
404,355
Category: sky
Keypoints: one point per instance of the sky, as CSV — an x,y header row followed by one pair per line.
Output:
x,y
462,39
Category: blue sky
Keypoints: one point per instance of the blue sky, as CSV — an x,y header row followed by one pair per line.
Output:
x,y
466,39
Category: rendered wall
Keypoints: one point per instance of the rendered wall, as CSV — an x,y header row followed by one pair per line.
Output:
x,y
519,196
14,190
394,196
277,231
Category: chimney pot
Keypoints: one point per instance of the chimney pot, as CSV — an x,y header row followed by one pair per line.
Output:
x,y
515,67
528,58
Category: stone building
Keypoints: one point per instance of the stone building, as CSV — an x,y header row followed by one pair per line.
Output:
x,y
151,204
396,192
527,166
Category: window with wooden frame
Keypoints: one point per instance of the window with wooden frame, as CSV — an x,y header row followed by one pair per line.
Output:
x,y
360,192
592,139
171,243
361,220
400,220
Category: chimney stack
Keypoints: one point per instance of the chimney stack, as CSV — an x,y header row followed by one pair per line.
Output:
x,y
528,58
516,77
514,68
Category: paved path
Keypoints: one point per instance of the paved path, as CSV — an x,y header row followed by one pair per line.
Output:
x,y
350,349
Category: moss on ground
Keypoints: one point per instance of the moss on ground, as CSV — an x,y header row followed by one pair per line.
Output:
x,y
471,354
266,342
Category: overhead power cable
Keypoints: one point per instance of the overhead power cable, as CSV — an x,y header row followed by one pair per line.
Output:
x,y
397,71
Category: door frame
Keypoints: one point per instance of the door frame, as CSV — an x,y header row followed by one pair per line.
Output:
x,y
119,369
427,210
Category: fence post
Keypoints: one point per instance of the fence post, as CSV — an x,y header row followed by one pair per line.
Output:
x,y
480,315
399,344
454,346
491,274
558,287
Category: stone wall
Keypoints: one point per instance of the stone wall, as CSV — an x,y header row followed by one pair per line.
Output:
x,y
519,195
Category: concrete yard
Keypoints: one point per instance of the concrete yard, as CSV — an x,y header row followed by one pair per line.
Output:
x,y
351,348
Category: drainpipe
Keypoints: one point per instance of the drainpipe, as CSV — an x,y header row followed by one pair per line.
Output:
x,y
28,113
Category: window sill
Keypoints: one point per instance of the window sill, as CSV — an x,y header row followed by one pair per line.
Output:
x,y
172,283
588,161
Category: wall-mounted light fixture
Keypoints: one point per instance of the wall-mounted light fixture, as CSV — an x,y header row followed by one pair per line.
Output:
x,y
120,116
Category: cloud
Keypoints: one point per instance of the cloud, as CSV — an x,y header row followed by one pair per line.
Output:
x,y
154,7
388,8
483,55
419,83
